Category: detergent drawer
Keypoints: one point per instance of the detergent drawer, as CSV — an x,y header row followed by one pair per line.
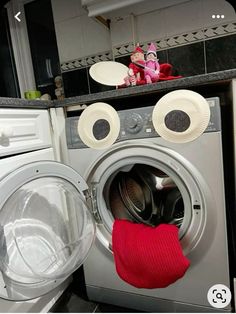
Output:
x,y
23,130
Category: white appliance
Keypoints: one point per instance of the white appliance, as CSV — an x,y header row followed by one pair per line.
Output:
x,y
45,228
196,168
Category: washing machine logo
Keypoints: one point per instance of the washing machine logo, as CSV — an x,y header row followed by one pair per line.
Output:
x,y
219,296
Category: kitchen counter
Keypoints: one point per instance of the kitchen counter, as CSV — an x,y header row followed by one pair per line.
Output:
x,y
221,77
24,103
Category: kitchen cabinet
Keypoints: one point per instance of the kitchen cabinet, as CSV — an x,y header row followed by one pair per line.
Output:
x,y
43,44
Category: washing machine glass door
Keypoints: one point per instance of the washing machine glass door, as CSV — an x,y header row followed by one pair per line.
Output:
x,y
46,229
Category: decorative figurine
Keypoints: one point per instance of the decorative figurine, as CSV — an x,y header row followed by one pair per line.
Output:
x,y
59,91
45,97
152,67
150,71
136,69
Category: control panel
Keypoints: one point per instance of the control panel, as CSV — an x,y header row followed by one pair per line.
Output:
x,y
134,124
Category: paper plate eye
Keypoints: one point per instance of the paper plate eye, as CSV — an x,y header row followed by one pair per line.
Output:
x,y
99,126
181,116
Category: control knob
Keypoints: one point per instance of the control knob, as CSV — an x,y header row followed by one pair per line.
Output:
x,y
133,123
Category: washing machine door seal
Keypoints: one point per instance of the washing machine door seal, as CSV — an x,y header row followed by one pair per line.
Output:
x,y
46,228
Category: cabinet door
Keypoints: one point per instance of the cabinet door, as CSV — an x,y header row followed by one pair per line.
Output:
x,y
9,86
43,44
23,130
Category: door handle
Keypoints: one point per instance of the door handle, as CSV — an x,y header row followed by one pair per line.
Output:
x,y
49,68
6,131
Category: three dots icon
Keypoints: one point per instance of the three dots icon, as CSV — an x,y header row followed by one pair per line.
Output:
x,y
218,16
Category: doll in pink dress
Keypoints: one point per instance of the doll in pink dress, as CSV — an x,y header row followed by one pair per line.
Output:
x,y
152,67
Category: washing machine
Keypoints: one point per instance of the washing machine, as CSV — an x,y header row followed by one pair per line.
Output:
x,y
46,230
144,140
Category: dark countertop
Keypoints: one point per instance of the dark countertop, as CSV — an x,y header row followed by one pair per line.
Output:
x,y
24,103
185,82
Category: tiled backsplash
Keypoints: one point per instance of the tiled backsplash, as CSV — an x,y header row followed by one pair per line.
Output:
x,y
193,53
188,60
221,53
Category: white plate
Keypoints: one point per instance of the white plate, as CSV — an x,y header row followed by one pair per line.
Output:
x,y
90,116
193,104
109,72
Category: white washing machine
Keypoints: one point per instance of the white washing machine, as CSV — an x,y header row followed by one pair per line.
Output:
x,y
196,170
46,230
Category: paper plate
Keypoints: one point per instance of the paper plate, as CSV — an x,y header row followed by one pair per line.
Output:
x,y
109,72
181,116
92,114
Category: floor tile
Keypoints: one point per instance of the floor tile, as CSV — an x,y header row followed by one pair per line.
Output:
x,y
72,303
109,308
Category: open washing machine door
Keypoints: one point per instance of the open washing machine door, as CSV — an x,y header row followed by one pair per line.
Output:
x,y
46,229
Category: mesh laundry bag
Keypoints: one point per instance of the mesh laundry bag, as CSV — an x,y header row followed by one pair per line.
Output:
x,y
148,257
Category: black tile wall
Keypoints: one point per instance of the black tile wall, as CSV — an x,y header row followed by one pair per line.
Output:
x,y
124,59
187,60
162,56
79,82
76,83
221,53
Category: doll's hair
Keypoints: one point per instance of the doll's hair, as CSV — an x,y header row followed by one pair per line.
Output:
x,y
153,52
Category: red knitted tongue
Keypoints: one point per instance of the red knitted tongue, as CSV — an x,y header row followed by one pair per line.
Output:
x,y
148,257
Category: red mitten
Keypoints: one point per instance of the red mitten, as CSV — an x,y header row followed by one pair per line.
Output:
x,y
148,257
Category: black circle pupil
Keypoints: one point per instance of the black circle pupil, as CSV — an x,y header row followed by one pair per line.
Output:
x,y
177,120
101,129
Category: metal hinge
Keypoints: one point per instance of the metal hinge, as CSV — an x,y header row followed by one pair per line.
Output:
x,y
91,198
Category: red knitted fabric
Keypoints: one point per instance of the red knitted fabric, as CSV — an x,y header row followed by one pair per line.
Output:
x,y
148,257
166,72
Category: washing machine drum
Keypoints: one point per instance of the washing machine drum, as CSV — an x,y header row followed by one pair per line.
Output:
x,y
146,195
